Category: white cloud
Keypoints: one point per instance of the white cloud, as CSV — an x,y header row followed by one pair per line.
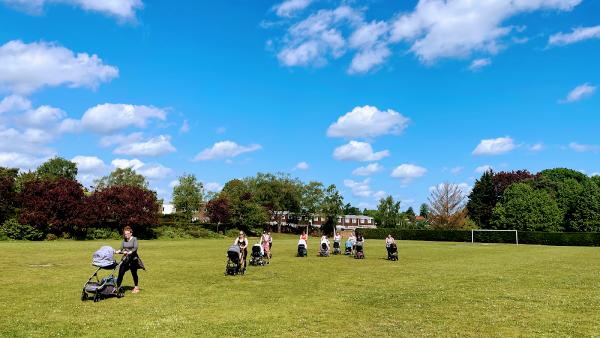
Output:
x,y
122,163
302,166
14,103
122,9
359,188
584,148
434,30
107,141
495,146
537,147
89,164
358,151
368,170
19,160
43,116
595,174
407,172
108,117
457,28
580,92
483,168
478,64
578,34
185,127
456,170
152,171
314,39
213,186
372,48
156,146
379,195
225,149
289,8
368,121
30,140
25,68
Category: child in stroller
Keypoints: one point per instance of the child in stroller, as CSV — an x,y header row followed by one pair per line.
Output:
x,y
336,244
107,286
258,257
302,251
348,250
234,264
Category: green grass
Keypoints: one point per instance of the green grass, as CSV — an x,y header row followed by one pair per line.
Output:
x,y
435,289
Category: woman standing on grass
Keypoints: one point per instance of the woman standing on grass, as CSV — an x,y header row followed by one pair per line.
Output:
x,y
304,237
131,261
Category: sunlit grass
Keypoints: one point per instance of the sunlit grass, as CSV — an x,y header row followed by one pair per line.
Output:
x,y
435,289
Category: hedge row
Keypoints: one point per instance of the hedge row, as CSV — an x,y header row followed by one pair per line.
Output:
x,y
525,237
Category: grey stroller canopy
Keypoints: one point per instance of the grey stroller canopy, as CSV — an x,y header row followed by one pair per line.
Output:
x,y
104,257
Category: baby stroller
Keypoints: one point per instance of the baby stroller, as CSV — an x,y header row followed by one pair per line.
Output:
x,y
336,248
302,252
234,265
393,252
324,252
358,250
348,250
107,286
256,258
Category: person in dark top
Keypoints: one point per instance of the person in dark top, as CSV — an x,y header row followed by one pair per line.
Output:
x,y
131,261
242,242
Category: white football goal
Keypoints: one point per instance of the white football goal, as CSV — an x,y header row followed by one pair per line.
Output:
x,y
473,231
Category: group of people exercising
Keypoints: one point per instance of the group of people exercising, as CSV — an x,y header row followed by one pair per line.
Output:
x,y
355,240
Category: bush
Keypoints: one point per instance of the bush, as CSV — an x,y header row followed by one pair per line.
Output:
x,y
187,232
102,233
232,233
525,237
15,230
51,237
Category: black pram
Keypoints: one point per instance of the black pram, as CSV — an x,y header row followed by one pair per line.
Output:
x,y
234,265
392,252
107,286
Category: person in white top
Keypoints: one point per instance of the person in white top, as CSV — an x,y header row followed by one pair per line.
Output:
x,y
389,240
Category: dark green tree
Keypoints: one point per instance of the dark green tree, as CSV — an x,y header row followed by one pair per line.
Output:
x,y
585,214
187,196
120,177
424,210
333,204
482,200
56,168
523,208
410,214
389,212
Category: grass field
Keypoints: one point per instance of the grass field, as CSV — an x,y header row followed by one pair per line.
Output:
x,y
435,289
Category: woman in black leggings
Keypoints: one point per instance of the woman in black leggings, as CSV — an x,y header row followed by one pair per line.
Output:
x,y
131,261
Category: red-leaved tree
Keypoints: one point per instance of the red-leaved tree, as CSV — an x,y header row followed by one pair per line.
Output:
x,y
53,206
219,210
119,206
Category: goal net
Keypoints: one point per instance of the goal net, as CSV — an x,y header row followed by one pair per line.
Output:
x,y
494,236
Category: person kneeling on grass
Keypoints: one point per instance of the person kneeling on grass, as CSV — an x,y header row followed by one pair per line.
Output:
x,y
131,261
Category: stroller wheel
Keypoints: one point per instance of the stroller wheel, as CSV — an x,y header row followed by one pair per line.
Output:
x,y
120,293
83,296
96,297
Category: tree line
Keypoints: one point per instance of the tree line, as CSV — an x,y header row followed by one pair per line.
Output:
x,y
50,203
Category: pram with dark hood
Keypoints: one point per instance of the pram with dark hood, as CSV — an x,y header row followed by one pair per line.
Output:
x,y
258,257
336,248
302,251
392,252
234,264
324,251
100,288
358,250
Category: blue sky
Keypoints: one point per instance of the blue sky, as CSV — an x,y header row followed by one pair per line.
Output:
x,y
378,97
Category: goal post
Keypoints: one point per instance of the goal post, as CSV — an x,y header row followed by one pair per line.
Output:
x,y
473,231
